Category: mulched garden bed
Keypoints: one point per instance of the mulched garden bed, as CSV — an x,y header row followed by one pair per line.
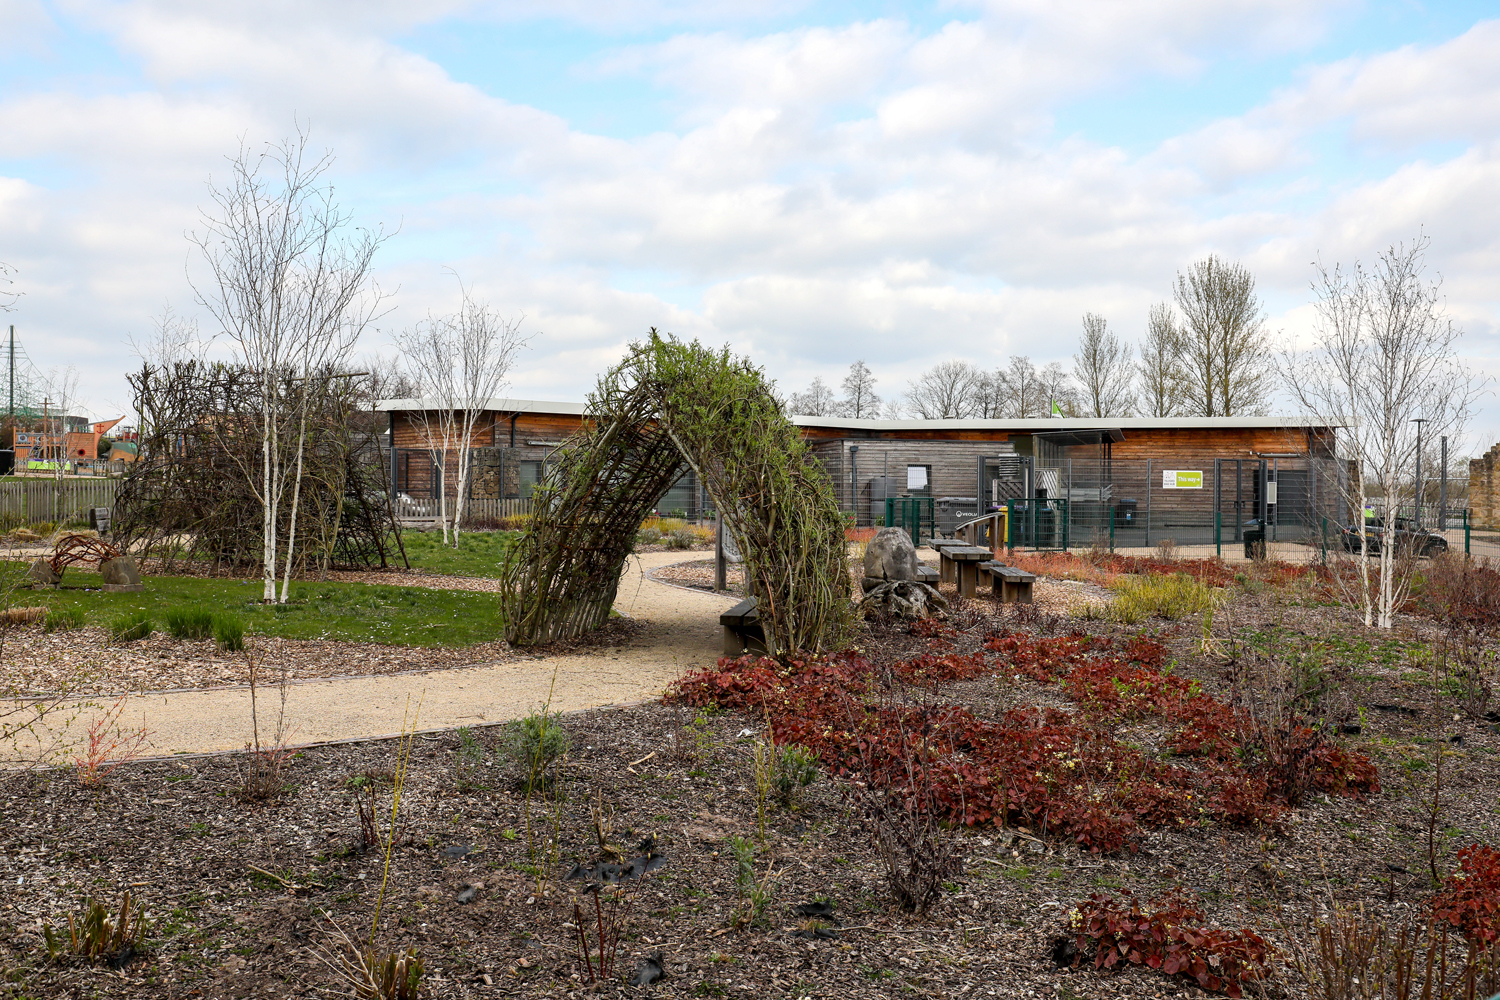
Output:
x,y
175,834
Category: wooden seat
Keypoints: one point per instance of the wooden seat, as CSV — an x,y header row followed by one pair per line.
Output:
x,y
742,630
1011,585
960,564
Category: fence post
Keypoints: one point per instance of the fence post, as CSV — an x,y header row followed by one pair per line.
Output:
x,y
1218,534
1111,529
1466,531
1324,545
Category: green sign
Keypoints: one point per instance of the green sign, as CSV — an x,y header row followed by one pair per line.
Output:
x,y
1182,479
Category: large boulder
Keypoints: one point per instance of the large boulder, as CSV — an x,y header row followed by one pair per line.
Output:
x,y
121,575
40,576
890,557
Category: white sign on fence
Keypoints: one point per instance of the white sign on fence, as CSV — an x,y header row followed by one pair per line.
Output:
x,y
1182,479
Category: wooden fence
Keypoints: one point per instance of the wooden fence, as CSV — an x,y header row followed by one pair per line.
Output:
x,y
34,501
479,511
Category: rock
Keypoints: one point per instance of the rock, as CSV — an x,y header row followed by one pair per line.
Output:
x,y
906,599
467,893
121,575
890,556
41,575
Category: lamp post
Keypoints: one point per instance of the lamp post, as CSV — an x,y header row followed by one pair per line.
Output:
x,y
1419,421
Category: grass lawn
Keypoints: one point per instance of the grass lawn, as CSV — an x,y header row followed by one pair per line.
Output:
x,y
409,616
479,553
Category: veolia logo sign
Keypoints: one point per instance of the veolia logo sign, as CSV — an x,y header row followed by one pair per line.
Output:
x,y
1182,479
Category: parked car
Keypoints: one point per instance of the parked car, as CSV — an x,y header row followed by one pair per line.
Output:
x,y
1407,537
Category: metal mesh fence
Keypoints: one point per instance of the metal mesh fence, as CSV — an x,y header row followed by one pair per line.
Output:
x,y
1138,504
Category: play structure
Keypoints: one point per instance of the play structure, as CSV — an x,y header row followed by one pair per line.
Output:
x,y
666,407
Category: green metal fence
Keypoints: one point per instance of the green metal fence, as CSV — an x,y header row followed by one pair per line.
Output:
x,y
916,515
1037,524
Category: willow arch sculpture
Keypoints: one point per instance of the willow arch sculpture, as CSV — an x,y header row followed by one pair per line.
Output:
x,y
669,405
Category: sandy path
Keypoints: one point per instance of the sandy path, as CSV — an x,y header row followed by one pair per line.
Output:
x,y
682,633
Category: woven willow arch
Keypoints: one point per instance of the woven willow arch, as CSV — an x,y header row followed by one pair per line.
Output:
x,y
669,405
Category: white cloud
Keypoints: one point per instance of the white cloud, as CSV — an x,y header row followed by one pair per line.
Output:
x,y
861,190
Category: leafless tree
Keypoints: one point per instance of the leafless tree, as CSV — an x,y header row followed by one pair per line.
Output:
x,y
1102,370
62,388
860,400
7,297
1163,381
1225,353
893,410
289,282
950,390
817,401
1017,390
458,363
1383,355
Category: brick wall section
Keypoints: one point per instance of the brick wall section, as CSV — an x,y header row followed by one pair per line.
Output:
x,y
1483,499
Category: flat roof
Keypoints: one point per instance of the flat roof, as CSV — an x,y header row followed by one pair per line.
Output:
x,y
502,405
1042,425
1036,425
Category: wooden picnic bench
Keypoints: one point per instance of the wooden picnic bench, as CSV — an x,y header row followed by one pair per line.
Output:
x,y
742,630
960,564
1011,585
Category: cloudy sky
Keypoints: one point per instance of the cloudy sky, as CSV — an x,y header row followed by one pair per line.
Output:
x,y
809,182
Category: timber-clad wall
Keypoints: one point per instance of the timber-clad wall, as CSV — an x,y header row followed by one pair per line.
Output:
x,y
537,435
952,454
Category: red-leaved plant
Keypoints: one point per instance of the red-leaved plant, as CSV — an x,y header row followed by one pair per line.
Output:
x,y
1167,934
1470,897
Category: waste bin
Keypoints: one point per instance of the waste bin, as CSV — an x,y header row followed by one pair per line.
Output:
x,y
1255,538
1125,513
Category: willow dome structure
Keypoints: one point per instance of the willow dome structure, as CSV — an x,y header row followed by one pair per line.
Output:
x,y
666,406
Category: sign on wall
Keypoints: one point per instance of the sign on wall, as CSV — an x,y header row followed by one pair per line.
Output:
x,y
1182,479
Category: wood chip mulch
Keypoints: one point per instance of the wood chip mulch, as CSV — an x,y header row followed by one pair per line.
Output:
x,y
236,890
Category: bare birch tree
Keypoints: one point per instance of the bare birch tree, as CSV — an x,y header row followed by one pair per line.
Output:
x,y
1163,381
289,283
950,390
1383,355
458,363
1102,370
1225,353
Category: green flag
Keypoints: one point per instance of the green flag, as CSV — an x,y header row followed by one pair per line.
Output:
x,y
1056,410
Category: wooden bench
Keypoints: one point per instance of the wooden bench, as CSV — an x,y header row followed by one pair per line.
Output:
x,y
960,564
1011,585
742,631
945,566
928,574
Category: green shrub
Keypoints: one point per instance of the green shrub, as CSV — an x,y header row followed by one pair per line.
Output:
x,y
131,626
795,769
1138,598
534,743
190,623
647,536
229,632
63,619
680,539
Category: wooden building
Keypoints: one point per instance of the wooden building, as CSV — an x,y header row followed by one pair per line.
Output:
x,y
1152,477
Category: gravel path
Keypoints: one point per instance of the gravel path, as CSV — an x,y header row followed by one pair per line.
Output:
x,y
680,632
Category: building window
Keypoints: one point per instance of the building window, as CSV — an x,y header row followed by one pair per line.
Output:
x,y
919,480
529,473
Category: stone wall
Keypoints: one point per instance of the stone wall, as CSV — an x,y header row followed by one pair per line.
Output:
x,y
1484,502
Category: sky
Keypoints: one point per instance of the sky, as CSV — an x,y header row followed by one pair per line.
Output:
x,y
809,182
